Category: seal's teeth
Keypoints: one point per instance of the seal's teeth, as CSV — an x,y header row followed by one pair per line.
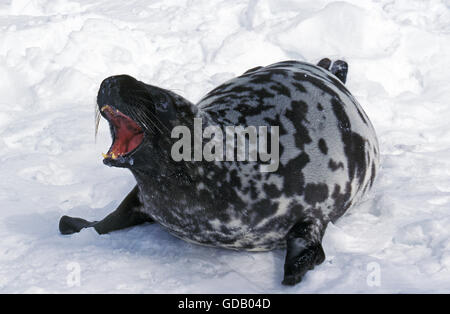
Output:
x,y
111,155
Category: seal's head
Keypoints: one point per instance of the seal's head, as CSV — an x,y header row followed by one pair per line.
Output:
x,y
141,117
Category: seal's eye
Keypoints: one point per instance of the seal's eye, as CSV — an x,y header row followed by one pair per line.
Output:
x,y
162,106
127,134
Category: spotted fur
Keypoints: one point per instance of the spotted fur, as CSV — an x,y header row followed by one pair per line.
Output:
x,y
328,160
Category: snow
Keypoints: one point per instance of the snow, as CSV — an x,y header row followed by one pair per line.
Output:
x,y
53,56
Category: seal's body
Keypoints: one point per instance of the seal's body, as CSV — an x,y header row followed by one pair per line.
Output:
x,y
328,160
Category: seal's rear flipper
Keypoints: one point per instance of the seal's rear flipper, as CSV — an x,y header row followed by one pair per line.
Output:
x,y
324,63
128,214
340,69
303,251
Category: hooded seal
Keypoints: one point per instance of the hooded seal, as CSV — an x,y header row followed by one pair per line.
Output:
x,y
327,160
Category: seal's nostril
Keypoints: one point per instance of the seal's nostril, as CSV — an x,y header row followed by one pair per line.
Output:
x,y
110,82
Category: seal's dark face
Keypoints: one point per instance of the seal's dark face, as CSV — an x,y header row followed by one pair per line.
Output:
x,y
136,112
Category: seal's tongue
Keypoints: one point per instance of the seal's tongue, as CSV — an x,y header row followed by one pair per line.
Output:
x,y
128,134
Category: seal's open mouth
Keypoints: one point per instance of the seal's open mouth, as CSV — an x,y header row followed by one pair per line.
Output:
x,y
127,134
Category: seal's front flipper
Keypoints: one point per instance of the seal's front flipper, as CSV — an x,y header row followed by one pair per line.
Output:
x,y
304,251
340,69
128,214
69,225
324,63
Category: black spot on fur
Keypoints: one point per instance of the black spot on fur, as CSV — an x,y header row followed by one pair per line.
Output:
x,y
316,193
323,146
262,77
319,107
298,117
354,144
263,94
271,190
234,179
252,189
297,209
241,89
299,87
335,166
248,110
317,82
307,76
261,209
341,201
281,72
281,89
294,181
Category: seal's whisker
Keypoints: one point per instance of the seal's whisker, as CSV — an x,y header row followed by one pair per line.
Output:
x,y
143,117
144,122
159,121
97,121
147,121
155,116
146,117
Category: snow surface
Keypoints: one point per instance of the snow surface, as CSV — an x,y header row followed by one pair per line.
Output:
x,y
53,56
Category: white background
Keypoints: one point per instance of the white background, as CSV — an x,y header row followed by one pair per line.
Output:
x,y
53,56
